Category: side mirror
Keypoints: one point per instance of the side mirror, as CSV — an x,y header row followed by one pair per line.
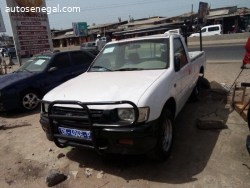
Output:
x,y
53,69
177,63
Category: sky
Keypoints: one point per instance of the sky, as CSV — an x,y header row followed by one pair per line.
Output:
x,y
108,11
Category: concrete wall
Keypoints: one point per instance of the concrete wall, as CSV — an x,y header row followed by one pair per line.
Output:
x,y
220,39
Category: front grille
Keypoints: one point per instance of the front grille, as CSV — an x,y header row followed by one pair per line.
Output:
x,y
76,112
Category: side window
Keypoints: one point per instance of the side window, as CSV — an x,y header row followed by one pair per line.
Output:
x,y
203,30
179,51
91,44
61,61
210,29
81,58
213,28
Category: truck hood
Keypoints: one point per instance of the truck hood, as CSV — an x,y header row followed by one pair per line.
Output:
x,y
105,86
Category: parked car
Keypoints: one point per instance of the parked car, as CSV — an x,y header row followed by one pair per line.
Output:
x,y
135,89
10,52
209,31
41,73
89,47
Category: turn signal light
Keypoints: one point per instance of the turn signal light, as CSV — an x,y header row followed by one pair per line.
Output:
x,y
126,142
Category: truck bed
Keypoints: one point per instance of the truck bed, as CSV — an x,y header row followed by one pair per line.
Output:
x,y
195,54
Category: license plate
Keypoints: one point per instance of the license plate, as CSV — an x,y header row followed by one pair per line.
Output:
x,y
75,133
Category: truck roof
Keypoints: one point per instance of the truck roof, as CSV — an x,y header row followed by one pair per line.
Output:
x,y
166,35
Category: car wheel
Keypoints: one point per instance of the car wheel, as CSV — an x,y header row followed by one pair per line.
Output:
x,y
29,100
195,93
164,143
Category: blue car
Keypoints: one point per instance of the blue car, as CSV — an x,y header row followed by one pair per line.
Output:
x,y
41,73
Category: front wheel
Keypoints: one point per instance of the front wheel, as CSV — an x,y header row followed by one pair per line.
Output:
x,y
29,100
164,144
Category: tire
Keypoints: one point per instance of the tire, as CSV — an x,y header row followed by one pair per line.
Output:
x,y
248,118
204,83
195,93
1,71
165,134
49,137
29,100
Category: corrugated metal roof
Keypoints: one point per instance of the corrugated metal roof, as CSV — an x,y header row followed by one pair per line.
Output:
x,y
106,25
221,16
63,37
150,21
219,12
157,27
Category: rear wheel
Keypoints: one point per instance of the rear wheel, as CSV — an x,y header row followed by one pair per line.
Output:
x,y
29,100
164,144
195,93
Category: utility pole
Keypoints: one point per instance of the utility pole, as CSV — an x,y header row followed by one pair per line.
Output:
x,y
192,15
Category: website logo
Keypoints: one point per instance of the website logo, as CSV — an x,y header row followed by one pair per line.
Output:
x,y
30,4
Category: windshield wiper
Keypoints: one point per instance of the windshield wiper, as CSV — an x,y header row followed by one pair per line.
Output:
x,y
129,69
28,70
100,67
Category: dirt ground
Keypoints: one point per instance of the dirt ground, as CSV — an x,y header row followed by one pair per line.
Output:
x,y
200,158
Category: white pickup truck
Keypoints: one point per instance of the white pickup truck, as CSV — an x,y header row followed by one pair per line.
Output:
x,y
128,99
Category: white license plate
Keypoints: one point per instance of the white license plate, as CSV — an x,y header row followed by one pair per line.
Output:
x,y
75,133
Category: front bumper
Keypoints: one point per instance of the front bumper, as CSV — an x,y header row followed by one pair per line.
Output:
x,y
134,138
9,103
143,137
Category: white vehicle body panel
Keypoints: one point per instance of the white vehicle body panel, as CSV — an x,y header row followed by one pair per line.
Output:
x,y
209,31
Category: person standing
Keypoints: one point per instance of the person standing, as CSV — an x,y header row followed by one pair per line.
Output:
x,y
3,50
246,59
98,43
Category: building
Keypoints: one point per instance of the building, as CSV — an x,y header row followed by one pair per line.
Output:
x,y
226,16
64,38
230,18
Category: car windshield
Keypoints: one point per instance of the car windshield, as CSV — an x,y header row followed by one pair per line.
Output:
x,y
11,49
35,64
147,54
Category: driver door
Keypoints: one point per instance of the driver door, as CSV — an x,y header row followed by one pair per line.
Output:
x,y
183,75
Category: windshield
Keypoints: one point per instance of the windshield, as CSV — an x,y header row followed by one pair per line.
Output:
x,y
11,50
35,64
144,54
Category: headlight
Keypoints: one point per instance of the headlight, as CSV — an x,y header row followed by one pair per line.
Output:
x,y
128,114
